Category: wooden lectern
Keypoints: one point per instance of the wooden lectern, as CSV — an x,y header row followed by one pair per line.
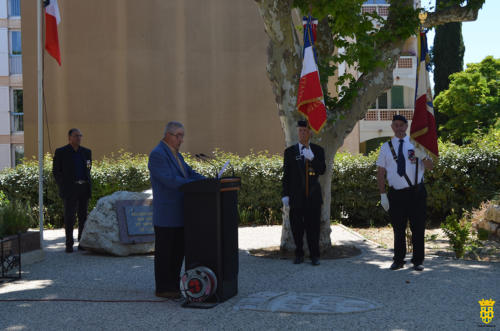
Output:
x,y
211,230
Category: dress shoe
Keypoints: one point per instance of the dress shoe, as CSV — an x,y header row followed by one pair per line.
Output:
x,y
69,249
396,266
81,248
418,267
298,260
315,261
169,294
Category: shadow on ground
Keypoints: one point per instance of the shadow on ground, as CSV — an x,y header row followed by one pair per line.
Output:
x,y
334,252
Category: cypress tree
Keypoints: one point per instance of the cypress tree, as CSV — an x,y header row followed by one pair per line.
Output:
x,y
447,56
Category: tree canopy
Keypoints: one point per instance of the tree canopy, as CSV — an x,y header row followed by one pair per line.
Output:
x,y
471,103
367,43
447,56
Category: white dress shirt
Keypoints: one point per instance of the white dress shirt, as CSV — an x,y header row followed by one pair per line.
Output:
x,y
386,161
300,149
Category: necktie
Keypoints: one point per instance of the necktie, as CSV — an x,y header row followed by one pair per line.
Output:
x,y
302,153
401,159
180,165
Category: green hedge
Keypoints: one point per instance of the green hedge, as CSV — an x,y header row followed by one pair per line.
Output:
x,y
355,195
260,195
15,217
464,177
122,172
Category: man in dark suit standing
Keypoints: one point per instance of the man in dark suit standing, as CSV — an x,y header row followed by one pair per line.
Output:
x,y
302,164
168,172
71,169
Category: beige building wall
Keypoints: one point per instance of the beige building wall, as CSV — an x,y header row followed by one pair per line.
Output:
x,y
351,141
129,67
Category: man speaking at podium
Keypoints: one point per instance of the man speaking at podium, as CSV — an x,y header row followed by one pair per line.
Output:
x,y
168,172
302,164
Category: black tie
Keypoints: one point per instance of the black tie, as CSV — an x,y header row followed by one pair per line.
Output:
x,y
401,159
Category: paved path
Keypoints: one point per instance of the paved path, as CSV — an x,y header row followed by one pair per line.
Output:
x,y
443,297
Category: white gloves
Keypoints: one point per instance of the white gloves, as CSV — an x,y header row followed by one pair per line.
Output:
x,y
286,201
384,201
308,154
421,153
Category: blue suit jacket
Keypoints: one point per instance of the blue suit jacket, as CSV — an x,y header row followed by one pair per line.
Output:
x,y
166,178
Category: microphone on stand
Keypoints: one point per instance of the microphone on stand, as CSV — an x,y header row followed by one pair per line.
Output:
x,y
205,158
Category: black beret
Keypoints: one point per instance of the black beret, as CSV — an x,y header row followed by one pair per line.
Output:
x,y
399,118
302,124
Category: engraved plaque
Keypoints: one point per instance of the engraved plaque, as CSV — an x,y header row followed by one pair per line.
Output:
x,y
139,220
135,221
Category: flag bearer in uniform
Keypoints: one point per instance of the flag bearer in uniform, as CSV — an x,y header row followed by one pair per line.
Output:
x,y
302,165
406,198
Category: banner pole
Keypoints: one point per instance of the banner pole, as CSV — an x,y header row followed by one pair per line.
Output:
x,y
40,116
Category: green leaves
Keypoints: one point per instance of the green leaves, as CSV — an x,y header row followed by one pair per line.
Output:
x,y
360,36
458,232
472,102
15,217
464,177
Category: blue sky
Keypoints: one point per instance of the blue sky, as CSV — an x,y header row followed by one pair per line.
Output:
x,y
481,37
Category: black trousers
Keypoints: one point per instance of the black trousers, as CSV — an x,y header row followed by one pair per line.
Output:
x,y
169,253
305,219
404,205
78,203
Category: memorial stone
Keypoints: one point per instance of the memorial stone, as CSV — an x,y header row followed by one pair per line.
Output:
x,y
102,228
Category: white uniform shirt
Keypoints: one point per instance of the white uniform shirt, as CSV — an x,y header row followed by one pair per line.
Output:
x,y
301,150
386,160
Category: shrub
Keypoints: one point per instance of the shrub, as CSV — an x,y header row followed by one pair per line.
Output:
x,y
14,217
464,177
259,199
355,195
458,233
123,171
3,199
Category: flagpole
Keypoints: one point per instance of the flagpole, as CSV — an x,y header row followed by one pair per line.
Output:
x,y
40,117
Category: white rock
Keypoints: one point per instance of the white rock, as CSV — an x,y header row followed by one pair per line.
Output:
x,y
493,214
102,234
484,224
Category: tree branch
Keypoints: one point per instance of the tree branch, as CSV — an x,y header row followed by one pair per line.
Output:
x,y
455,13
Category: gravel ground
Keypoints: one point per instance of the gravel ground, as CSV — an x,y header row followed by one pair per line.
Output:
x,y
436,243
444,296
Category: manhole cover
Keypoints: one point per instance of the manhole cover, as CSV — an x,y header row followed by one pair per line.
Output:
x,y
291,302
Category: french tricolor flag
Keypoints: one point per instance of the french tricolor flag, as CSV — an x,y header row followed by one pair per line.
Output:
x,y
423,131
310,101
52,19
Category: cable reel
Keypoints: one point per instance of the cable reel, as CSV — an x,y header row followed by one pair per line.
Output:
x,y
198,284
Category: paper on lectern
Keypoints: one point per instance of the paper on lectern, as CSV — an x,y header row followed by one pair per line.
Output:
x,y
223,169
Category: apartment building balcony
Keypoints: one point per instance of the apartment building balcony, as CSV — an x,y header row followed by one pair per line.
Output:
x,y
16,64
17,124
405,73
377,122
380,9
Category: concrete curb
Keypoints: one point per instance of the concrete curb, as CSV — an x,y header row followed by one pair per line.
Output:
x,y
360,236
